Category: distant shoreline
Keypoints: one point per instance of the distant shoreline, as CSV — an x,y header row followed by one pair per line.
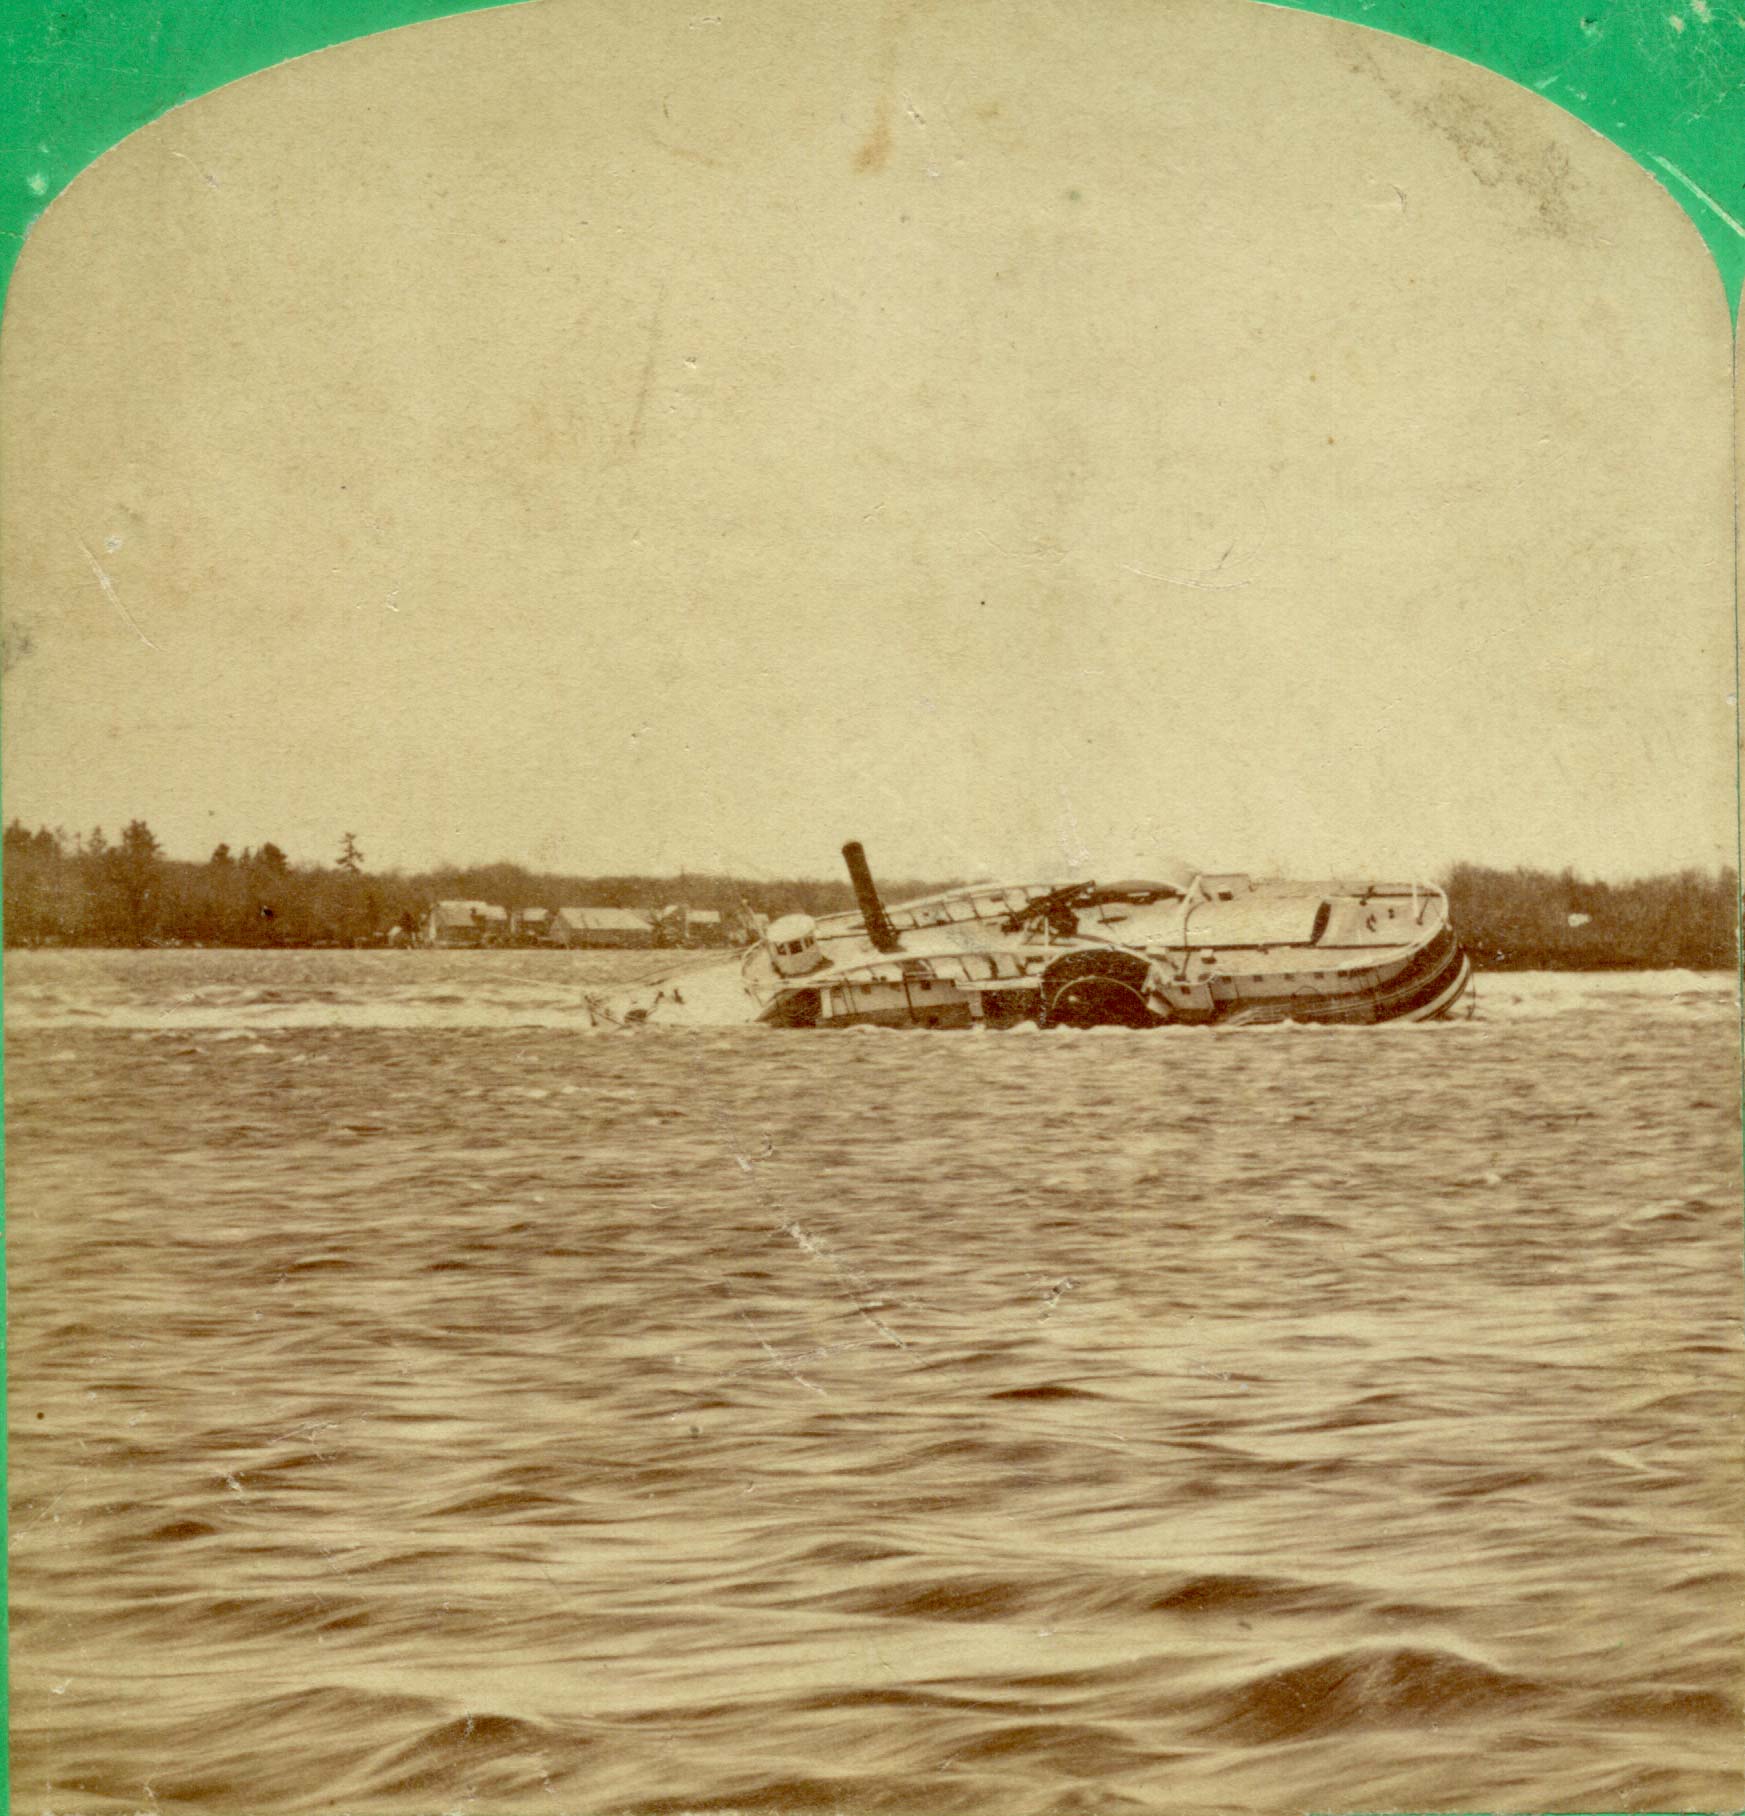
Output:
x,y
88,891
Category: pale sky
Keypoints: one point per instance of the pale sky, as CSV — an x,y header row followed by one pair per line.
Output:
x,y
614,438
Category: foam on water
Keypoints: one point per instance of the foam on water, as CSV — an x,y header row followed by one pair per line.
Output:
x,y
561,990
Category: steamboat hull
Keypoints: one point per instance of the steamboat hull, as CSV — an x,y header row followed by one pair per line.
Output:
x,y
1423,987
1198,950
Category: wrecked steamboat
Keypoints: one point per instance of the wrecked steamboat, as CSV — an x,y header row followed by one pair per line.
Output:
x,y
1180,950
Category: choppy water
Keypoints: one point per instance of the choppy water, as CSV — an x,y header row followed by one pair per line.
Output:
x,y
420,1403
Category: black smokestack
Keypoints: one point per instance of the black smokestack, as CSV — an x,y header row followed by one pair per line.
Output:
x,y
878,925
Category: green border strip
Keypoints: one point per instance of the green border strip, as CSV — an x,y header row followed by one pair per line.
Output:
x,y
77,76
1664,79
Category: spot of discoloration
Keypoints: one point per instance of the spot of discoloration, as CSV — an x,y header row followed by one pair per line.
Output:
x,y
1499,152
15,644
875,151
1495,155
656,322
206,176
682,152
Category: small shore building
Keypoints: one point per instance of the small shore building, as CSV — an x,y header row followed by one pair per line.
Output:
x,y
530,926
703,927
601,927
466,924
677,925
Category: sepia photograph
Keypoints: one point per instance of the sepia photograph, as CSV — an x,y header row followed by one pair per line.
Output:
x,y
871,907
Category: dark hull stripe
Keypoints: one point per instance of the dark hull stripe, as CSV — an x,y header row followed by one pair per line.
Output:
x,y
1418,985
1429,974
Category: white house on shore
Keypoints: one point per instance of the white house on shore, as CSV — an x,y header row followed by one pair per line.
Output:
x,y
601,927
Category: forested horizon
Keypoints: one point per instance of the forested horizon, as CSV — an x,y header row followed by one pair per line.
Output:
x,y
86,889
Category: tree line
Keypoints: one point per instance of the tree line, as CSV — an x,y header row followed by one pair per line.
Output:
x,y
89,890
86,889
1533,920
